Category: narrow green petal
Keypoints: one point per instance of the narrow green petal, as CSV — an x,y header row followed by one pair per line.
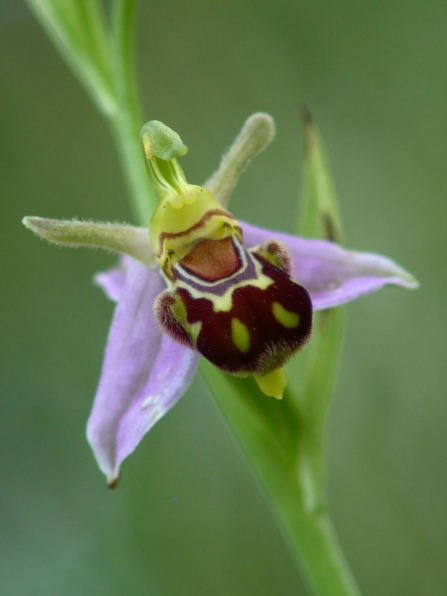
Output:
x,y
118,238
256,134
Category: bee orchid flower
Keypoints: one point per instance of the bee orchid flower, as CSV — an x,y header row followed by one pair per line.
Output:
x,y
202,283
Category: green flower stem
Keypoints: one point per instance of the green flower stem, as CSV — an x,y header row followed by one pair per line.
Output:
x,y
126,121
303,512
315,547
286,454
141,191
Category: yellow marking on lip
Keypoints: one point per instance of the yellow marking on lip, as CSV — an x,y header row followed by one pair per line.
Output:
x,y
285,317
194,330
240,335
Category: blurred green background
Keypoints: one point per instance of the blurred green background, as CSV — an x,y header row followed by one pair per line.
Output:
x,y
188,517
